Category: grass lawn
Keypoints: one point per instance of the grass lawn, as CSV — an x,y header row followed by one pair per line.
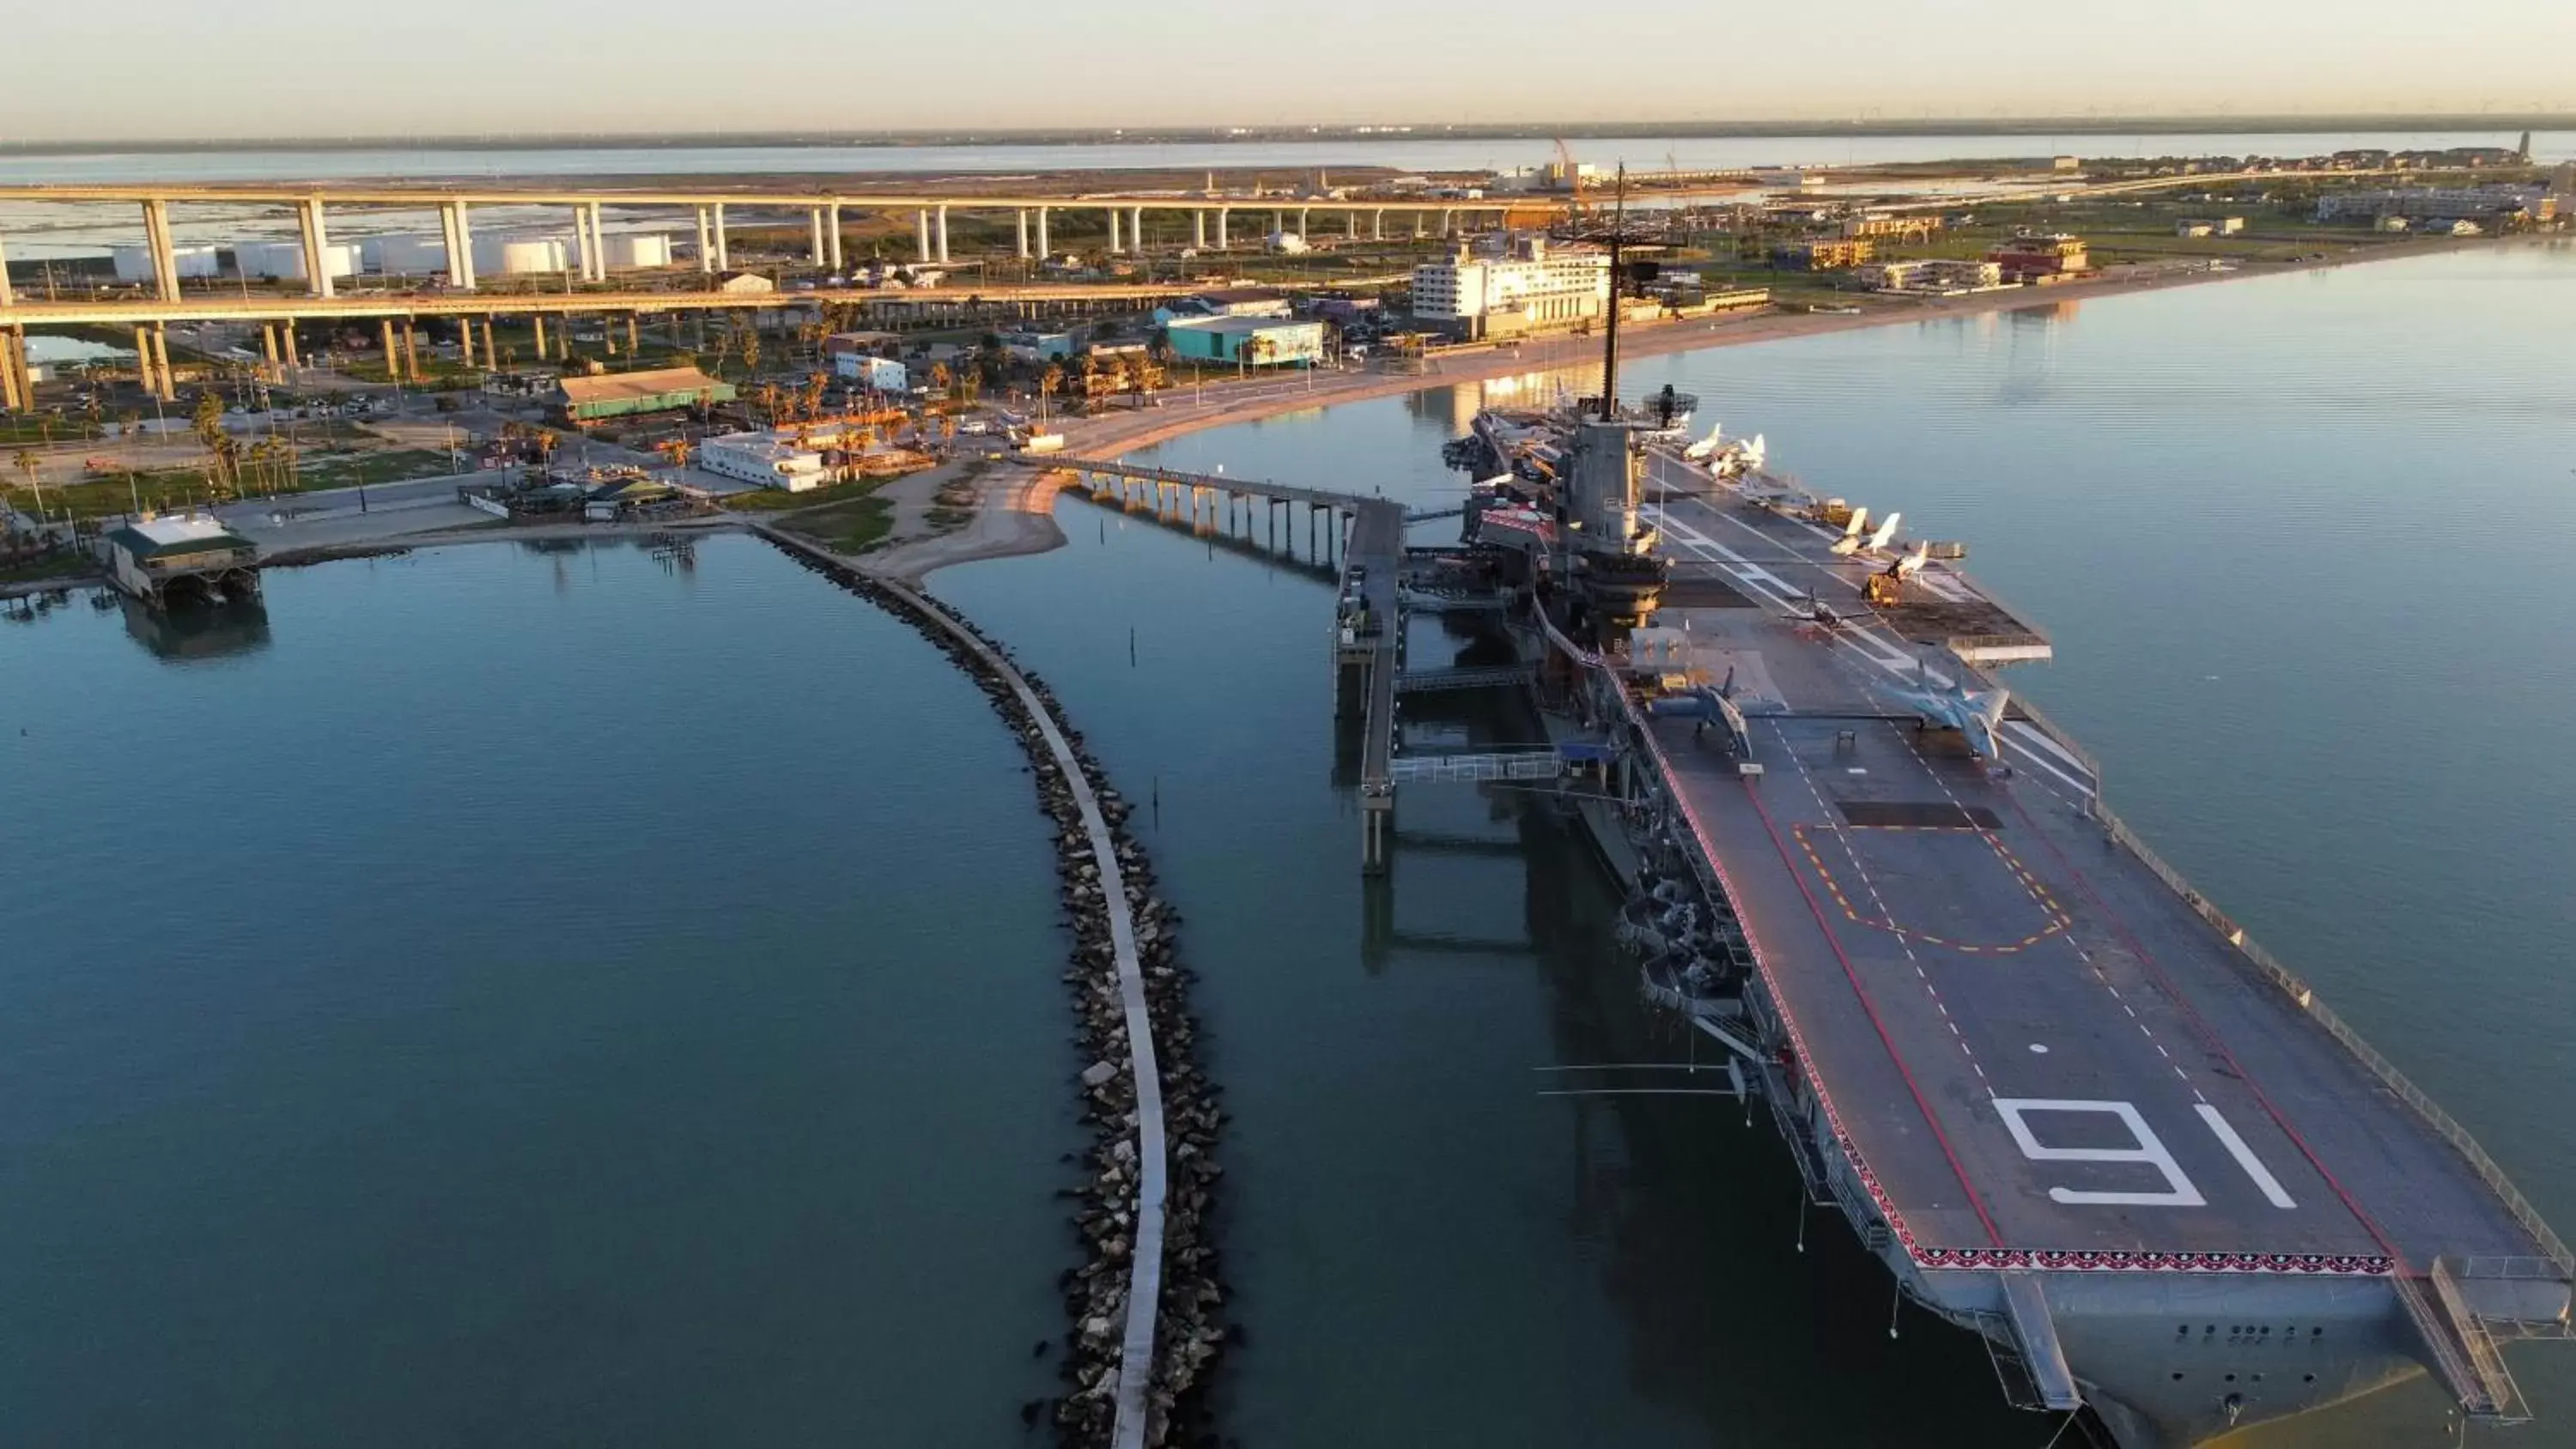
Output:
x,y
351,470
71,564
779,500
17,429
180,487
852,527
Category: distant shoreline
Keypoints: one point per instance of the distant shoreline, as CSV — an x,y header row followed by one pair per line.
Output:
x,y
1120,433
2037,126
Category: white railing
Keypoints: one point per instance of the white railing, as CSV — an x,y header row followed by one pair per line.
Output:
x,y
2306,998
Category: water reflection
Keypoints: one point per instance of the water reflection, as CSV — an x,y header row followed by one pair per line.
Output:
x,y
196,632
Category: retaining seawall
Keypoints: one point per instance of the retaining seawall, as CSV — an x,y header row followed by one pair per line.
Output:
x,y
1142,1309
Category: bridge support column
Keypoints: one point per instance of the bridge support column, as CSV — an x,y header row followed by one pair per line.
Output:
x,y
460,262
706,249
465,342
8,295
286,337
491,355
411,350
1448,221
268,351
12,399
921,235
585,252
317,242
1042,233
393,360
446,244
1114,247
165,256
1351,224
1020,218
169,389
1198,229
1377,225
832,233
630,334
1221,214
942,235
724,254
538,321
814,224
1136,230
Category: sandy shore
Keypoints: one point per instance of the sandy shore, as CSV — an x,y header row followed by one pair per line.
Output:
x,y
1014,515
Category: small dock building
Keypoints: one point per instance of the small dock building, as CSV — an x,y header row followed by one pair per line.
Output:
x,y
163,560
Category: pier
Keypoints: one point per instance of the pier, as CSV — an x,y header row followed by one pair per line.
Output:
x,y
1360,540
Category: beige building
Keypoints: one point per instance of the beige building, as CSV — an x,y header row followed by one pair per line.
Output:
x,y
1931,274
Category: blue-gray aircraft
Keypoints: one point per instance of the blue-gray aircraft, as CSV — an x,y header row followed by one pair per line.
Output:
x,y
1711,706
1949,705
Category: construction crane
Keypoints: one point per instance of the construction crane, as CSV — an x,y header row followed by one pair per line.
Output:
x,y
1573,179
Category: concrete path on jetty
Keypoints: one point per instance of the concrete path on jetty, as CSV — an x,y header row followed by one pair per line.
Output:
x,y
1145,1260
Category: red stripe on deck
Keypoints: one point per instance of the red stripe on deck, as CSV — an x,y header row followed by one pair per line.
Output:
x,y
2209,1035
1920,1102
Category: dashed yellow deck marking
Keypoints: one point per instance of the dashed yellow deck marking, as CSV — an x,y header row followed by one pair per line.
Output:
x,y
2057,919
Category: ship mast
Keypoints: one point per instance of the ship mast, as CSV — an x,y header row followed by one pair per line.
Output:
x,y
1610,346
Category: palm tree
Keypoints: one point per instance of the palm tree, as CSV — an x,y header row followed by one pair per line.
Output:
x,y
1048,382
941,380
27,463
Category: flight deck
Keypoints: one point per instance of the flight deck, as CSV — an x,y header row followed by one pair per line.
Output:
x,y
2037,1053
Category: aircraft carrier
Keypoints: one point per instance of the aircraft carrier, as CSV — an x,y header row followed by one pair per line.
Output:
x,y
2052,1087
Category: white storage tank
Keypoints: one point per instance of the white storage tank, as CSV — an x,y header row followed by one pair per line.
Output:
x,y
518,256
637,249
134,264
410,254
283,261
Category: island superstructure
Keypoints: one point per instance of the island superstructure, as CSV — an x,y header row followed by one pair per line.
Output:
x,y
2051,1086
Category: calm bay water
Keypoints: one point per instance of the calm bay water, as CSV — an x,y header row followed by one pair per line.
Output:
x,y
523,998
549,997
2300,543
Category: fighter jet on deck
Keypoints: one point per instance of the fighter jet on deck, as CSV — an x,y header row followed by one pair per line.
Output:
x,y
1976,713
1710,706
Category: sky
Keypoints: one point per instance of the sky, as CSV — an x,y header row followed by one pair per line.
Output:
x,y
188,69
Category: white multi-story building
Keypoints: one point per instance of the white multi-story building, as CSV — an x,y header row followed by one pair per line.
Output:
x,y
792,460
769,459
1528,286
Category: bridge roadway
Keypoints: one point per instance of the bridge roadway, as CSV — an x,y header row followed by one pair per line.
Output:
x,y
2041,1052
215,307
822,210
272,194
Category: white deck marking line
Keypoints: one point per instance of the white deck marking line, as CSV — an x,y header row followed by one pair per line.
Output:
x,y
1921,762
2245,1158
1833,822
